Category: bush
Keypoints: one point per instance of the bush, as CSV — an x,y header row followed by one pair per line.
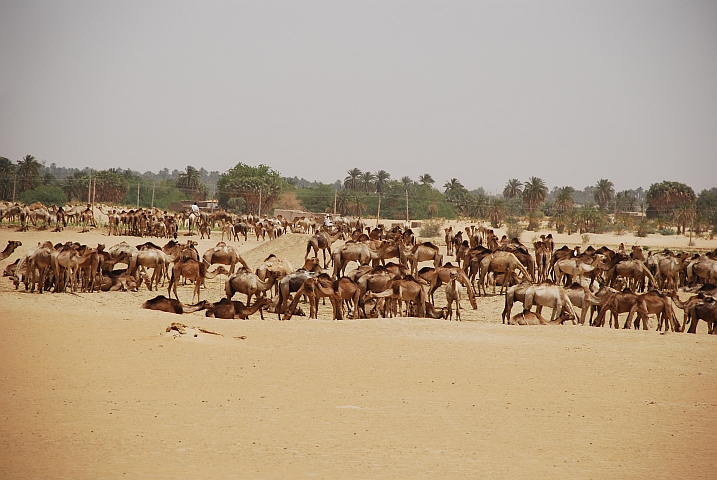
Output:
x,y
644,229
47,194
666,231
585,238
514,229
432,228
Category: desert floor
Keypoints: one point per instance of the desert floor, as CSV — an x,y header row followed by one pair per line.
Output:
x,y
92,386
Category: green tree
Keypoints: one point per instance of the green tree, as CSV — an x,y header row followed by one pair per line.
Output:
x,y
534,194
190,182
28,173
352,181
382,176
7,178
513,188
426,179
497,213
46,194
258,186
564,200
665,196
366,182
603,192
407,182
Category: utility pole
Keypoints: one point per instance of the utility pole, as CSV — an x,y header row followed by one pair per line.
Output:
x,y
259,201
14,183
94,195
138,196
335,194
378,210
89,189
406,205
153,194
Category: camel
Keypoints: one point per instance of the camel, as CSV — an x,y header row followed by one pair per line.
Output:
x,y
314,288
322,241
118,280
453,294
123,253
403,290
225,255
247,283
171,305
668,271
233,309
66,260
501,262
704,309
205,230
439,275
533,318
292,283
583,298
449,240
553,296
240,228
654,302
513,294
350,251
576,268
194,271
616,303
39,260
542,257
421,252
691,316
703,267
632,270
275,266
11,246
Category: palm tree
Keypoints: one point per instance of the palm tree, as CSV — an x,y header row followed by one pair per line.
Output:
x,y
343,202
496,213
513,188
382,176
366,181
625,201
426,179
603,192
564,200
357,205
28,172
7,177
190,182
683,214
453,185
351,182
407,182
534,193
432,209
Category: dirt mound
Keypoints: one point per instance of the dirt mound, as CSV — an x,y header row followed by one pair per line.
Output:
x,y
291,247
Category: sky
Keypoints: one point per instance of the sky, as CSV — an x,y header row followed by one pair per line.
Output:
x,y
483,91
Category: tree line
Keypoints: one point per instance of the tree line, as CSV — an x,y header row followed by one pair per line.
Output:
x,y
258,189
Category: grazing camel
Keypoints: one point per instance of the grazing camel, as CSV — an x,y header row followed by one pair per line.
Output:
x,y
171,305
616,303
403,290
513,294
233,309
453,294
654,302
192,270
11,246
552,296
500,262
421,252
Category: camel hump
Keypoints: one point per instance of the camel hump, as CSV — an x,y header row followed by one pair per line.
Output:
x,y
430,245
271,256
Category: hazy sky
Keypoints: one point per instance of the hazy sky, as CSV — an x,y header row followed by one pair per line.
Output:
x,y
568,91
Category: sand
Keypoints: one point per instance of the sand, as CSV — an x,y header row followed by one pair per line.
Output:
x,y
92,386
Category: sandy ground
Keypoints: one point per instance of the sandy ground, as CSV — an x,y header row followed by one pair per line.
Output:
x,y
91,386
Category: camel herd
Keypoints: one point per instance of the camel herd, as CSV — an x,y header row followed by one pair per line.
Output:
x,y
376,272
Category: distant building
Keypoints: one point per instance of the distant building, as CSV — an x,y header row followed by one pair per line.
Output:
x,y
187,204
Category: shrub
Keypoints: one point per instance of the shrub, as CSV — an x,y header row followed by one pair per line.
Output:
x,y
666,231
585,238
514,229
47,194
432,228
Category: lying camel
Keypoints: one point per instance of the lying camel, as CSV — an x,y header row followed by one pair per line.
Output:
x,y
234,309
170,305
533,318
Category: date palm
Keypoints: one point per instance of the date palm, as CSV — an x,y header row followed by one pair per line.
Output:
x,y
564,200
534,193
366,181
513,188
603,192
407,182
426,179
382,176
28,173
7,175
351,182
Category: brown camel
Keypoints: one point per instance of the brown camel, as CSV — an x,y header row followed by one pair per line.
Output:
x,y
453,294
234,309
449,240
194,271
533,318
421,252
440,275
403,290
225,255
313,288
634,271
11,246
500,262
657,303
553,296
616,303
583,298
247,283
322,241
542,257
171,305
